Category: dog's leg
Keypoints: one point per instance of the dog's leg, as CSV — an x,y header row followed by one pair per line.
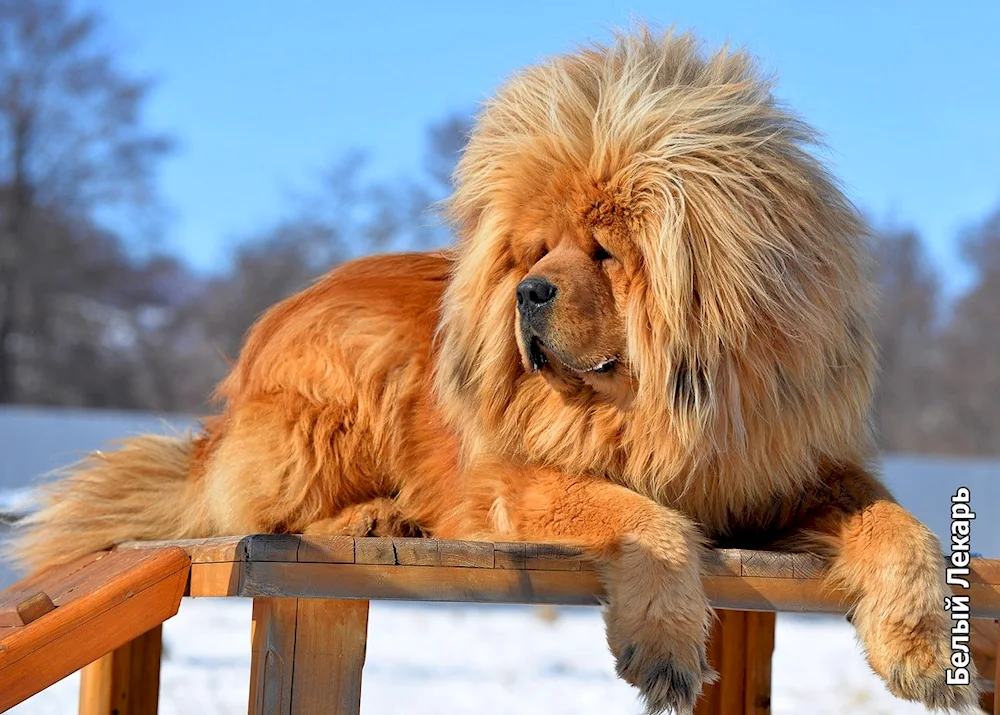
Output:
x,y
649,557
893,566
377,517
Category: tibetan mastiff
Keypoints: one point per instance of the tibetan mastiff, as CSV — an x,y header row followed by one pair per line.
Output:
x,y
651,335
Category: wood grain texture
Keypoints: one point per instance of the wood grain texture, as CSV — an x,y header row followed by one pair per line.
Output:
x,y
472,554
272,655
498,585
767,564
734,579
760,647
996,682
740,650
330,644
419,583
307,656
538,557
126,681
34,607
326,549
103,601
983,643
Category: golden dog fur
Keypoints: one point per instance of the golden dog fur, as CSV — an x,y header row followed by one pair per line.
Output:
x,y
651,334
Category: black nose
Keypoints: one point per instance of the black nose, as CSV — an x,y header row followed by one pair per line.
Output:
x,y
534,293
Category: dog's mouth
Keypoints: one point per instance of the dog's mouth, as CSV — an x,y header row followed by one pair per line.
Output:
x,y
541,355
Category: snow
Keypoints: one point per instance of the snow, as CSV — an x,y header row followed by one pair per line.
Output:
x,y
14,502
492,660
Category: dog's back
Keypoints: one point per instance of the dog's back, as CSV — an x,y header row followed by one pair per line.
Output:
x,y
329,405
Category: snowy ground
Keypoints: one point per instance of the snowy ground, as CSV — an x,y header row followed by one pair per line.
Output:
x,y
488,660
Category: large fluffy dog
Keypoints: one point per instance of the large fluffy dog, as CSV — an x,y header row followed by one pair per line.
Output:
x,y
651,334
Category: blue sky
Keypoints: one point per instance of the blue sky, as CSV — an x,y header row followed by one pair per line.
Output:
x,y
262,95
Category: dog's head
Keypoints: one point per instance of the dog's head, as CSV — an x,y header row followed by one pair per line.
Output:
x,y
650,260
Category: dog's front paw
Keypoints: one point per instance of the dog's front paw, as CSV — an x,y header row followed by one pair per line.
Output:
x,y
913,654
658,636
670,678
378,517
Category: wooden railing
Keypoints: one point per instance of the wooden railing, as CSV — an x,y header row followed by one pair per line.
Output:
x,y
310,613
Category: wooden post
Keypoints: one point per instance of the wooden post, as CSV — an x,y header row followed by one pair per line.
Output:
x,y
307,656
126,681
996,675
740,650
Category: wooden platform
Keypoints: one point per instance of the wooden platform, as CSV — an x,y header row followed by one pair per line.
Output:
x,y
310,613
292,566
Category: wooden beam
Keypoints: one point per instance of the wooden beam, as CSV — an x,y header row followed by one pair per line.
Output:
x,y
307,656
740,650
435,570
102,602
126,681
286,579
418,583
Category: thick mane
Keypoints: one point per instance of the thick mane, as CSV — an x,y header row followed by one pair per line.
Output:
x,y
747,321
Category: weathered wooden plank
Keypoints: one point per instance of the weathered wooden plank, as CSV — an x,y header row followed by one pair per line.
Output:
x,y
767,564
808,566
340,549
271,547
536,557
420,583
984,599
466,554
500,585
272,656
985,571
255,547
330,643
723,562
57,583
751,593
314,548
126,681
200,551
374,550
215,579
409,581
417,552
111,600
387,551
429,583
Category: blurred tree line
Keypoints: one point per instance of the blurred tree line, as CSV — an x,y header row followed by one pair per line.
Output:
x,y
85,321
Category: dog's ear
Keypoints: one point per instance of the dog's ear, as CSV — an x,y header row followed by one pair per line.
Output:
x,y
477,356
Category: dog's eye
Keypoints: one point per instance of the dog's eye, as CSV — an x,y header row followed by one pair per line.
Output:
x,y
601,254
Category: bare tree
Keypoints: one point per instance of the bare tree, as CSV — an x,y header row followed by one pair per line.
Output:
x,y
71,143
969,365
446,141
905,327
345,216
